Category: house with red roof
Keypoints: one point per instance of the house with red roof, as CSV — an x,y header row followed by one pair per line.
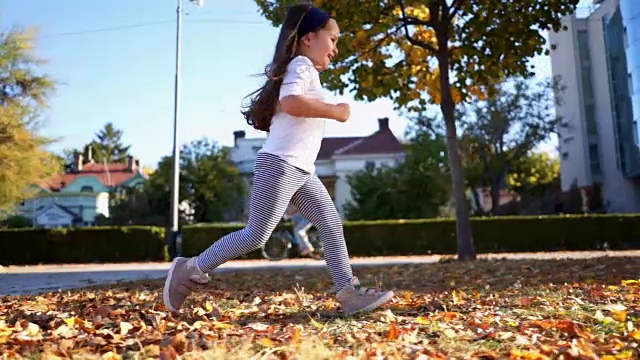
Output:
x,y
338,157
77,196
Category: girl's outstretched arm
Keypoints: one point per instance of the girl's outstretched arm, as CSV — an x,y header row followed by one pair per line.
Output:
x,y
292,94
300,106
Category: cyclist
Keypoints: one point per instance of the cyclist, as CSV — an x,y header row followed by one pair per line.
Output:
x,y
300,228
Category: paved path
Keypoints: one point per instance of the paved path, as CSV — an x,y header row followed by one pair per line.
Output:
x,y
15,280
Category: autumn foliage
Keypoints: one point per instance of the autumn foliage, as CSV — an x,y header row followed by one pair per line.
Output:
x,y
547,308
24,96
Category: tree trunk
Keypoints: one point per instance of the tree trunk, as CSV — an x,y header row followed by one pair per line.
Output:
x,y
495,197
476,199
466,249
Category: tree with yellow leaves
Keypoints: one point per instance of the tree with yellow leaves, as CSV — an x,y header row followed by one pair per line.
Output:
x,y
434,51
24,159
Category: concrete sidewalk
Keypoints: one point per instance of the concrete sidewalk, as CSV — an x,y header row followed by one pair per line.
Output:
x,y
34,279
15,280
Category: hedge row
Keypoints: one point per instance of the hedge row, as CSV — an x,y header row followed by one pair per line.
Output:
x,y
438,236
82,245
367,238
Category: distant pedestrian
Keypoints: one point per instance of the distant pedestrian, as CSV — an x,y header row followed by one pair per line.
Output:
x,y
301,227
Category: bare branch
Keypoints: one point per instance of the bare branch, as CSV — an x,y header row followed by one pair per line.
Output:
x,y
412,41
410,20
385,37
378,43
455,8
420,43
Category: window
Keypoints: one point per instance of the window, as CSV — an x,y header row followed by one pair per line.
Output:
x,y
587,85
583,45
594,159
330,184
592,128
86,188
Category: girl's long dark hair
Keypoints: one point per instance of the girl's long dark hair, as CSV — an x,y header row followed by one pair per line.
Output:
x,y
264,101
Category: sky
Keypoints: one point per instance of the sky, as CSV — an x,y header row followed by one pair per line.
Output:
x,y
114,61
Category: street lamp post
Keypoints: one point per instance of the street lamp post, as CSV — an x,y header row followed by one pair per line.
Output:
x,y
174,234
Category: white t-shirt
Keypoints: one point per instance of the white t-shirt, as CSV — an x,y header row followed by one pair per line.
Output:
x,y
296,139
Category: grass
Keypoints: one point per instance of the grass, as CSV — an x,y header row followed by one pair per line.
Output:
x,y
487,309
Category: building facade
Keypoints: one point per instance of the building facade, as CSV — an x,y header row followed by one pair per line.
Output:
x,y
81,193
338,157
597,60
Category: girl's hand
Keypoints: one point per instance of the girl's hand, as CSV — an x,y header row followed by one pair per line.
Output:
x,y
342,112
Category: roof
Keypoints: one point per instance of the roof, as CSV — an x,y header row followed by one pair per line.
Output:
x,y
382,141
117,174
330,145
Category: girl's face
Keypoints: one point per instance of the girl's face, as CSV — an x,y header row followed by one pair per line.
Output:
x,y
320,46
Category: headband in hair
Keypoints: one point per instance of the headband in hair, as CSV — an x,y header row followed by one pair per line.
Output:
x,y
312,20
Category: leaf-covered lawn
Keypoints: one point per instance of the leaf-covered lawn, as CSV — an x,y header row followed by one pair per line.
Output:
x,y
489,309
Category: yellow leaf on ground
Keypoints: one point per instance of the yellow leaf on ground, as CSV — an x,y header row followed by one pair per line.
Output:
x,y
266,342
619,315
221,325
316,324
111,356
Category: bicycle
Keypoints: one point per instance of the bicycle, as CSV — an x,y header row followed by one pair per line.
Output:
x,y
282,240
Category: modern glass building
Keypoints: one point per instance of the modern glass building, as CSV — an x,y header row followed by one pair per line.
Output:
x,y
630,14
628,153
598,61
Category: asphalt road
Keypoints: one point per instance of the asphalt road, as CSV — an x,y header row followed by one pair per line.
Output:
x,y
17,280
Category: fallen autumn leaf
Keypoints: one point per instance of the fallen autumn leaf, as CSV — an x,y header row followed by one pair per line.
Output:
x,y
488,309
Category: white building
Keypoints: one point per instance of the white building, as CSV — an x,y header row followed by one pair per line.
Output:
x,y
598,60
338,157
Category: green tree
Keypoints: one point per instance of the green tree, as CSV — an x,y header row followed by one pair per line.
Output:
x,y
416,188
534,170
107,145
208,181
68,155
439,51
536,179
500,132
131,206
24,95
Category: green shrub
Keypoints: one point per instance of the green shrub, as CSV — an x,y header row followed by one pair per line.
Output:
x,y
82,245
16,222
199,237
365,238
500,234
438,236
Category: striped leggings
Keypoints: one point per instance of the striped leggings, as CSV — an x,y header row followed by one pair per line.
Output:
x,y
275,184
